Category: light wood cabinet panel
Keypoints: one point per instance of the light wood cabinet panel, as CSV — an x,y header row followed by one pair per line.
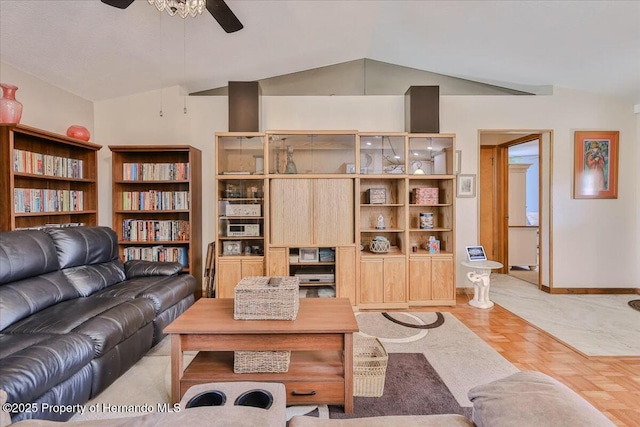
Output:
x,y
278,262
419,279
395,280
231,271
291,211
333,212
383,281
253,267
371,280
228,275
431,280
443,287
346,273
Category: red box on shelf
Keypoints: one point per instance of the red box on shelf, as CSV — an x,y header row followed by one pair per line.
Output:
x,y
426,196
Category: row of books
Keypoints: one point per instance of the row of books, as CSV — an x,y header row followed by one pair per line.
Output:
x,y
45,226
44,200
154,230
46,164
155,171
154,200
157,253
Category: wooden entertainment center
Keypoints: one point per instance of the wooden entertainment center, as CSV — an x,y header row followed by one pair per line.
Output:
x,y
282,195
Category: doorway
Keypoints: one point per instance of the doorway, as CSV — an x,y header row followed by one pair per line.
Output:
x,y
515,202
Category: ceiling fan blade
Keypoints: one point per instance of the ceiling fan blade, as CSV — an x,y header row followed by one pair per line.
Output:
x,y
225,17
120,4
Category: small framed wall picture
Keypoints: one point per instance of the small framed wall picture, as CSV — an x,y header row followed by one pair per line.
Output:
x,y
309,255
231,247
466,186
476,253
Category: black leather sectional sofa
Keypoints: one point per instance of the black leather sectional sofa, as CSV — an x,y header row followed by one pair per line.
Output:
x,y
73,317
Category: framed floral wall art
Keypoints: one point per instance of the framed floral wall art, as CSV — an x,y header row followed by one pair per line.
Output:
x,y
595,173
466,185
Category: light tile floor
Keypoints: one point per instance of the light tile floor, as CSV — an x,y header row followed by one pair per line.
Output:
x,y
595,325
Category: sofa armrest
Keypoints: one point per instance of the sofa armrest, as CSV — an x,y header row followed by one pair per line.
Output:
x,y
139,268
532,399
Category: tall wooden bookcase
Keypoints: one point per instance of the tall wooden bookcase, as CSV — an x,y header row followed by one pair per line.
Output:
x,y
270,214
157,204
46,179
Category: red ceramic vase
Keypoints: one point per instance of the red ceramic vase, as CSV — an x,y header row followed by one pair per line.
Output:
x,y
78,132
10,109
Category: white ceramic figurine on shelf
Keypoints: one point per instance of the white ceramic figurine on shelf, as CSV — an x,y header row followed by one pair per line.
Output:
x,y
380,225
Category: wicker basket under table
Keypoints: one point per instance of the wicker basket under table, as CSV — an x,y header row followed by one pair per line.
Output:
x,y
370,360
247,362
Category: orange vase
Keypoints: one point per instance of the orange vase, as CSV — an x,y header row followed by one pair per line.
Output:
x,y
10,109
78,132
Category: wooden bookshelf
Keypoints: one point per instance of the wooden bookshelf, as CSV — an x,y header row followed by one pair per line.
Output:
x,y
157,204
46,179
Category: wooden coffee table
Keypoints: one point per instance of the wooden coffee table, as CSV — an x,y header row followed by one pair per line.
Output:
x,y
320,340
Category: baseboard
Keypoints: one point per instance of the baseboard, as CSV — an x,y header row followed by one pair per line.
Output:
x,y
566,291
594,291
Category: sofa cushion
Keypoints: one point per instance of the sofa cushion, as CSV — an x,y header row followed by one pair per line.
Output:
x,y
32,364
26,253
28,296
162,291
84,245
529,398
88,279
142,268
107,321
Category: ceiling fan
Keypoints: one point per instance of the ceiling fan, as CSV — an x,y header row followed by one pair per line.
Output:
x,y
218,9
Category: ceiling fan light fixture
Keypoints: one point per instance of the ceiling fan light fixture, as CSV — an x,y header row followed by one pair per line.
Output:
x,y
183,8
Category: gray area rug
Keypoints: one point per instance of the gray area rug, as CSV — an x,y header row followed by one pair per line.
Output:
x,y
412,387
450,352
458,357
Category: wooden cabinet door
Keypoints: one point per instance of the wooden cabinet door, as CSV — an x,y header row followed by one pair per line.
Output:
x,y
291,211
228,275
395,280
333,201
443,287
419,279
253,267
278,262
371,280
346,273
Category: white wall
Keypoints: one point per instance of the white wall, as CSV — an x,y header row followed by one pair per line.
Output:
x,y
596,242
45,106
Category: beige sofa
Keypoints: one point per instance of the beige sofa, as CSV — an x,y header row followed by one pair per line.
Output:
x,y
524,399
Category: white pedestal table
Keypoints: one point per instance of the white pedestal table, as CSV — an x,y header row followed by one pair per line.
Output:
x,y
481,279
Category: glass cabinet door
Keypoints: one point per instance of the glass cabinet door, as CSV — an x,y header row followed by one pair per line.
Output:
x,y
321,152
431,154
240,154
382,153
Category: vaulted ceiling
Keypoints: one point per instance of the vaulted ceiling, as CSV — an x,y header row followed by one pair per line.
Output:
x,y
100,52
